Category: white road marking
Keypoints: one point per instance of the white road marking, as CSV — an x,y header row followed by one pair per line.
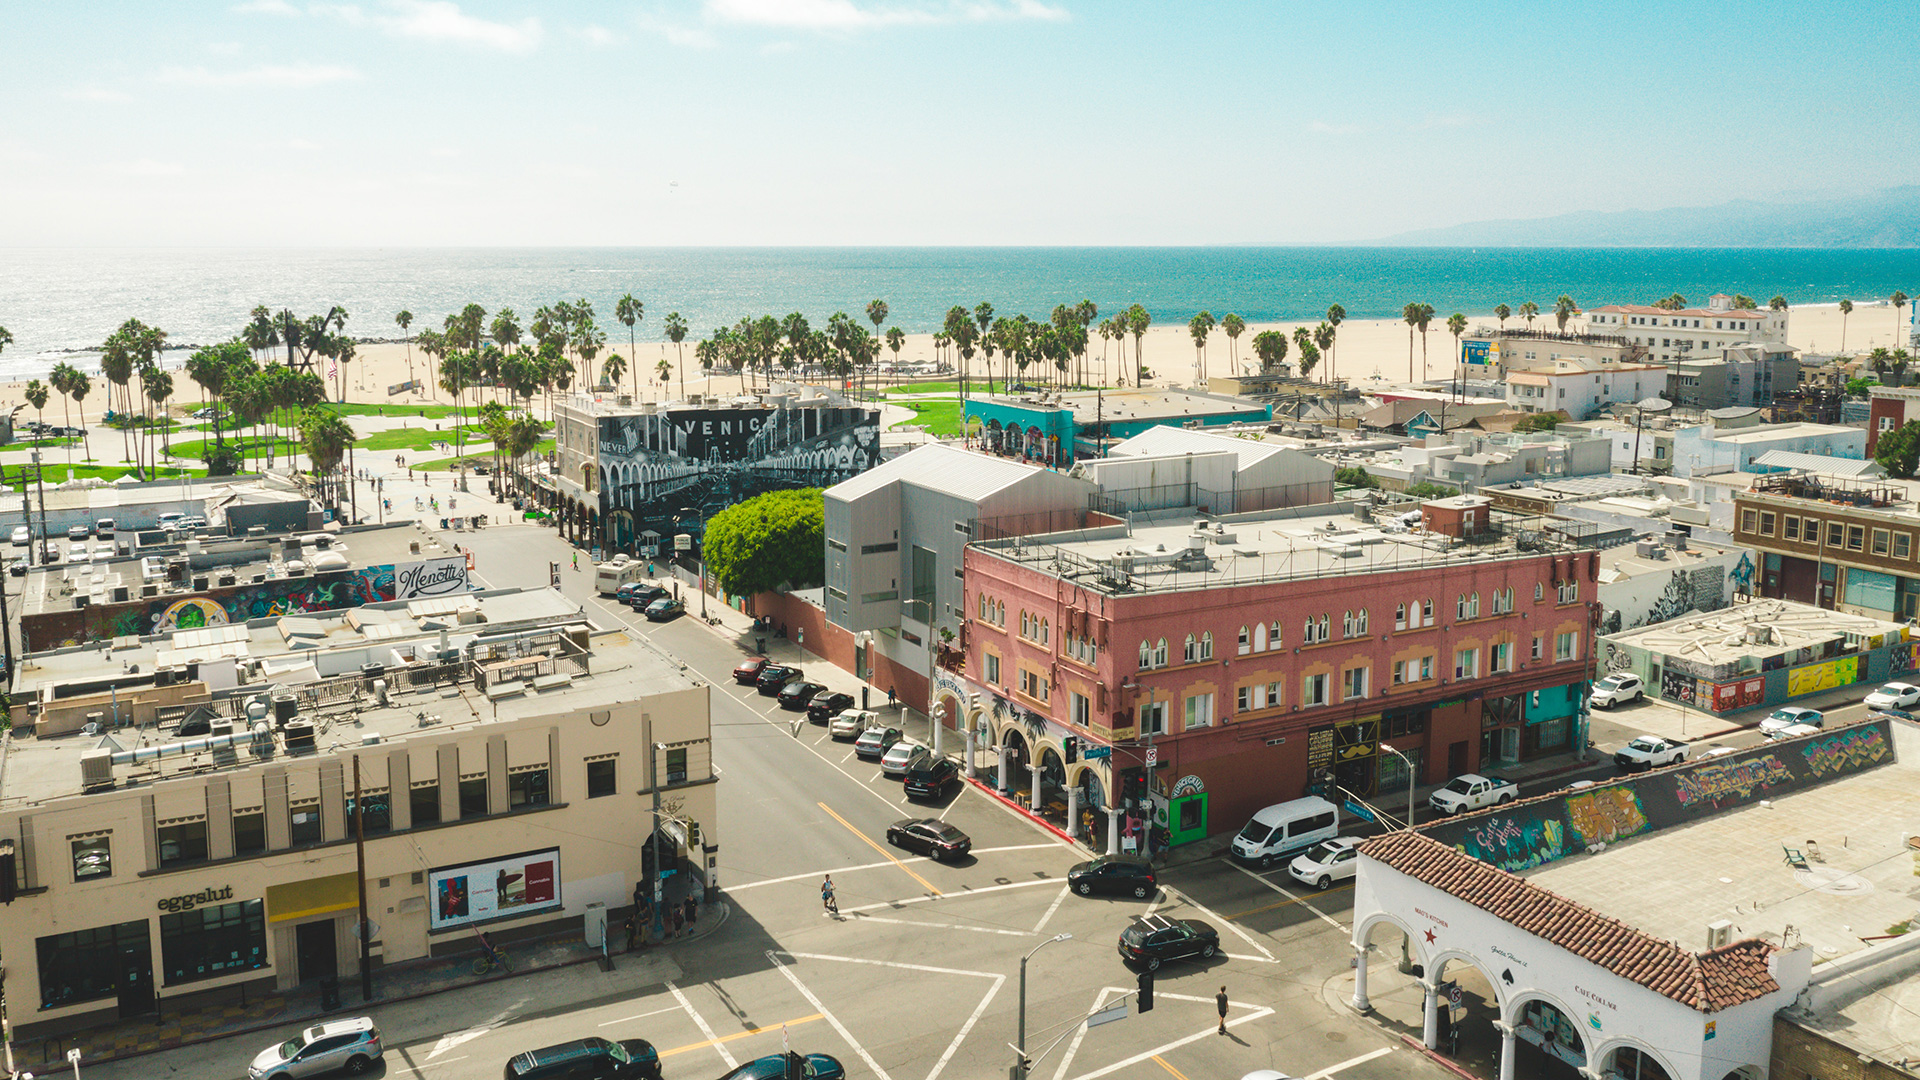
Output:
x,y
453,1039
1348,1064
415,1069
642,1016
998,981
874,866
1241,934
884,904
946,926
1258,1014
1051,908
1066,1058
701,1023
821,1008
1301,900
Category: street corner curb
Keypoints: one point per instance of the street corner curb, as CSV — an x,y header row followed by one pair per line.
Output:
x,y
1025,813
1439,1059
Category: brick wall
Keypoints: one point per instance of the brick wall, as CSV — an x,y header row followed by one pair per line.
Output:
x,y
1801,1053
834,644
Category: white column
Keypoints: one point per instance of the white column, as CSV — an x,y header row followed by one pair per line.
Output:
x,y
1113,831
1002,770
972,771
1430,1025
1034,802
1360,1001
1506,1051
1073,812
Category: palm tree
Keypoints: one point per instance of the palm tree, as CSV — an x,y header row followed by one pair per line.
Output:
x,y
62,378
1335,316
896,340
37,396
78,389
877,314
1426,319
1323,338
1564,309
1529,311
614,369
1270,346
404,319
1457,325
1503,313
1198,328
1899,301
1138,319
629,310
158,385
983,325
1846,309
677,333
1234,325
1410,314
326,438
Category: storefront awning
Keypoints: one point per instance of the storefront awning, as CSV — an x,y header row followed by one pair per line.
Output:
x,y
316,896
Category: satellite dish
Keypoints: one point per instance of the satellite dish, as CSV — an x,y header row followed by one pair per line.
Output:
x,y
1653,405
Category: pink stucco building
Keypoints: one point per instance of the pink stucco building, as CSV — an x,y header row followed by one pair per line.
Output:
x,y
1257,655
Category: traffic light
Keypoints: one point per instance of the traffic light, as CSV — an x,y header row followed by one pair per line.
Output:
x,y
1146,991
1070,747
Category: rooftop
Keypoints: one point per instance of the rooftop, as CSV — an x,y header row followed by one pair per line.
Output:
x,y
780,393
1134,403
1766,433
1163,441
1625,561
1700,313
942,467
1759,628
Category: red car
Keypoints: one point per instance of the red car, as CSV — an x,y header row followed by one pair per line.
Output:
x,y
749,670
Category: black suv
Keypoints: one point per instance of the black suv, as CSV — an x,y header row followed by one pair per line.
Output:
x,y
825,707
642,595
930,780
1130,875
796,695
773,677
1154,938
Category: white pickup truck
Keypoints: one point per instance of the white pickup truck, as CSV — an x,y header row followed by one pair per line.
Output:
x,y
1650,752
1471,792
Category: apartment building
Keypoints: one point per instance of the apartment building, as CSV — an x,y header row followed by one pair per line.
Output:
x,y
1843,545
1672,335
1205,666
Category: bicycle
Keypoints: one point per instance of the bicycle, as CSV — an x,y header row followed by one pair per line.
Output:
x,y
492,957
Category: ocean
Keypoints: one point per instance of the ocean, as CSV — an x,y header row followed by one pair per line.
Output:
x,y
58,301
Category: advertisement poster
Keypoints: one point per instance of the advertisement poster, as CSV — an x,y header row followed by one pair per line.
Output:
x,y
498,889
430,577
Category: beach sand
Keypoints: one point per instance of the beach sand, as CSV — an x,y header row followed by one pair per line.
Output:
x,y
1365,348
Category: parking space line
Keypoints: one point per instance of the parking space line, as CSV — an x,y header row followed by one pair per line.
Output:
x,y
1073,1047
415,1069
959,1037
701,1023
1241,934
928,885
1324,917
1051,908
1206,1032
831,1019
642,1016
1280,904
876,866
795,1022
1348,1064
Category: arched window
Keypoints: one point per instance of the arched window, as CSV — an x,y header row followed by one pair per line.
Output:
x,y
1260,637
1206,645
1160,653
1146,655
1400,616
1273,635
1189,654
1246,642
1046,633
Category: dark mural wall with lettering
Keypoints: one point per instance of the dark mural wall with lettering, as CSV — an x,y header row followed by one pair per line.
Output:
x,y
214,607
1535,833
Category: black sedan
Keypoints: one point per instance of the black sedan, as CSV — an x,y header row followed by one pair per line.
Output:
x,y
644,595
774,676
1125,874
798,695
930,780
930,837
665,609
825,707
1153,939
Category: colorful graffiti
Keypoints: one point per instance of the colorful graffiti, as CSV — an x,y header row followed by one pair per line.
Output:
x,y
1905,661
1515,843
214,607
1846,750
1817,677
1605,815
1709,783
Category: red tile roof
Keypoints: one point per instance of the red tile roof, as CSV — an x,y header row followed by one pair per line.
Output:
x,y
1708,982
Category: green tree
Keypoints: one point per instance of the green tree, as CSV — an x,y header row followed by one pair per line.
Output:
x,y
676,333
1741,302
1846,309
325,437
1198,328
1354,476
1899,301
404,319
1410,314
1503,313
1457,325
1234,326
1545,421
1898,451
629,310
1529,311
1335,316
37,396
1426,490
1271,347
769,541
614,369
1564,309
1138,319
877,314
63,378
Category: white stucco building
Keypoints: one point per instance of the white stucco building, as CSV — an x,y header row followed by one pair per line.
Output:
x,y
1669,335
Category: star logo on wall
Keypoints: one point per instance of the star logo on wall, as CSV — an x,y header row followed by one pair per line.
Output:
x,y
1430,937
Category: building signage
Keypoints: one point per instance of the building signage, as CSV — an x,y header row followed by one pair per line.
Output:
x,y
1320,748
497,889
189,901
1188,785
430,577
1095,753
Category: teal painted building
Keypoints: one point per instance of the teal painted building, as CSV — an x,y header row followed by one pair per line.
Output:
x,y
1059,428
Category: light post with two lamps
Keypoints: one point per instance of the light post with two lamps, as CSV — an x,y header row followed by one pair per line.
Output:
x,y
1020,1061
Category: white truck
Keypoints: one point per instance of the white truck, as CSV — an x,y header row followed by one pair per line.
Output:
x,y
1650,752
1471,792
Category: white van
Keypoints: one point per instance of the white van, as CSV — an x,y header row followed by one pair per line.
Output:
x,y
1285,828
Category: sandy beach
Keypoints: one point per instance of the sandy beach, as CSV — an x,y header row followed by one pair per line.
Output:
x,y
1365,348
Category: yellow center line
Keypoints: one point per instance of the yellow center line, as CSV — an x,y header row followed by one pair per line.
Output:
x,y
741,1035
1162,1062
1280,904
884,853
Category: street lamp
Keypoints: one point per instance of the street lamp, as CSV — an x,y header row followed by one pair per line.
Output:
x,y
1410,779
1020,1063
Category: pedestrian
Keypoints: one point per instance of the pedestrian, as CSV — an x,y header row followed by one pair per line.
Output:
x,y
826,895
889,697
1220,999
674,917
576,560
691,909
633,931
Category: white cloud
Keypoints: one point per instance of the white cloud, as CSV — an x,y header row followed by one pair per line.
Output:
x,y
1321,127
849,15
676,34
289,75
265,7
600,36
442,20
224,48
150,167
96,93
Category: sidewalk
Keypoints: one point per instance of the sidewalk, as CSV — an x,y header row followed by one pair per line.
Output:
x,y
406,981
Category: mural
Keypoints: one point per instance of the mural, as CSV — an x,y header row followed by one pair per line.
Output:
x,y
1712,783
1605,815
1905,661
1675,686
670,471
1514,842
215,607
1816,677
1846,750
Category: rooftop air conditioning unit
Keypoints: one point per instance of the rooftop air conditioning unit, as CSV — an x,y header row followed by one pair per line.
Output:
x,y
96,769
1719,934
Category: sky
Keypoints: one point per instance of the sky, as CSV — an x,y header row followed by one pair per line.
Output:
x,y
920,122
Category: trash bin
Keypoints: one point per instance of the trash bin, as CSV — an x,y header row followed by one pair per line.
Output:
x,y
329,993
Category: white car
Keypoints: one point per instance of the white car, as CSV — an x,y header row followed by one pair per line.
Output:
x,y
1793,731
1719,751
850,723
1894,695
77,551
1471,792
350,1046
1791,716
1617,690
903,756
1327,862
20,537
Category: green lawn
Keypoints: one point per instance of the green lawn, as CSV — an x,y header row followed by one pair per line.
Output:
x,y
105,472
479,457
426,412
939,417
413,438
193,448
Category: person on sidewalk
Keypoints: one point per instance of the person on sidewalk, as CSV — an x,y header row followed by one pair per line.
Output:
x,y
691,910
633,930
889,697
1220,999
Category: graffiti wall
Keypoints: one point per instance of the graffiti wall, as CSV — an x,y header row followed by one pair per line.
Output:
x,y
214,607
1814,678
1536,833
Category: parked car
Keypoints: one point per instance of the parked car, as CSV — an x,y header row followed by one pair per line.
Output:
x,y
193,521
929,779
1472,791
340,1045
77,551
105,527
79,532
169,520
798,695
587,1059
624,594
1327,862
930,837
18,567
644,595
1788,715
788,1066
1131,875
1151,940
1793,731
874,742
850,723
1617,690
21,538
1894,695
825,706
902,757
1719,751
773,677
746,671
665,609
1650,751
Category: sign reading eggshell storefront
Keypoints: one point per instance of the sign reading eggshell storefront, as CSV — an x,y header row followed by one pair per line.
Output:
x,y
1188,785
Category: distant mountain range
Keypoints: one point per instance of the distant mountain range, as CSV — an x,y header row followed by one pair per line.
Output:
x,y
1884,219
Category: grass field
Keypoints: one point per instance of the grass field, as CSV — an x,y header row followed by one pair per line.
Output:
x,y
938,417
482,456
105,472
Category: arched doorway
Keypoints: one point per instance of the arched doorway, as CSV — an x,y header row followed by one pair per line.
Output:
x,y
1639,1063
1091,795
1011,770
1548,1042
620,530
1053,787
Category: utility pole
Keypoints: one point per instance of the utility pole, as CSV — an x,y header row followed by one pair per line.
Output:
x,y
1019,1070
360,860
653,781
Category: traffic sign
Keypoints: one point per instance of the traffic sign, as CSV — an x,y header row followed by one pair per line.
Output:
x,y
1095,753
1153,756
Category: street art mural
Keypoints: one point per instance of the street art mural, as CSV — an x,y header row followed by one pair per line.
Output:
x,y
1606,814
1905,661
1712,783
214,607
1846,750
670,471
1514,842
1817,677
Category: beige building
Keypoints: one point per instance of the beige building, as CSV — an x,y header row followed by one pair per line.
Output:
x,y
181,810
1673,335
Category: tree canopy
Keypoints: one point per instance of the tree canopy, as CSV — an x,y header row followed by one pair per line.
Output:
x,y
1354,476
1898,451
775,539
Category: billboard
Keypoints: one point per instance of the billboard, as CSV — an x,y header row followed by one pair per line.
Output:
x,y
430,577
1477,352
498,889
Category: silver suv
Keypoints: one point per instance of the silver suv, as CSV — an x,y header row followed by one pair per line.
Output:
x,y
349,1045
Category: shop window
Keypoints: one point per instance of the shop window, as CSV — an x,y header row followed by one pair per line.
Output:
x,y
527,787
306,824
249,832
676,764
183,842
473,796
379,812
425,802
93,858
208,942
602,776
86,965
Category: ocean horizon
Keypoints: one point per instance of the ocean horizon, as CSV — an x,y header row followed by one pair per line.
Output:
x,y
59,302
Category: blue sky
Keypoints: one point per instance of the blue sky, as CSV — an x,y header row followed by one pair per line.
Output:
x,y
690,122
